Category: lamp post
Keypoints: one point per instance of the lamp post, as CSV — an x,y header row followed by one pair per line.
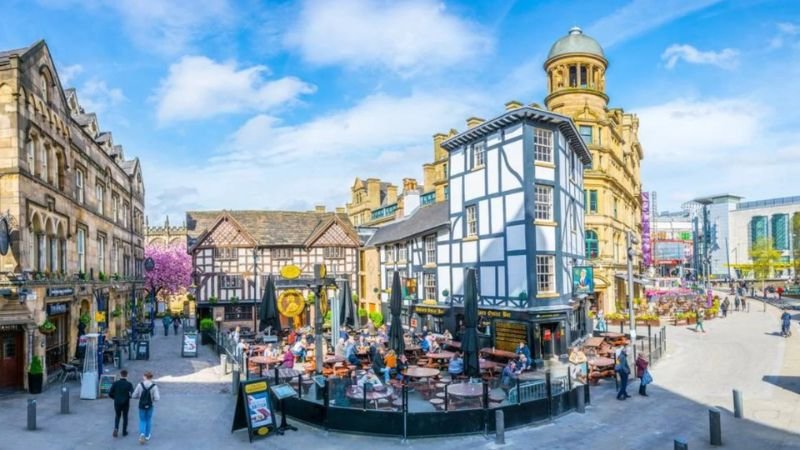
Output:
x,y
631,240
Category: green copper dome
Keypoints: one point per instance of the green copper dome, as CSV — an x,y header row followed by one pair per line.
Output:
x,y
575,42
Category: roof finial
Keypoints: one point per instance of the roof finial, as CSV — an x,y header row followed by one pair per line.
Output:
x,y
575,30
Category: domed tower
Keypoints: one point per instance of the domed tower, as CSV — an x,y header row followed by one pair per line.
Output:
x,y
576,70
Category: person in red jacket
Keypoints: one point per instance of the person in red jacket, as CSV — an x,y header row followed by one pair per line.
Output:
x,y
641,372
288,358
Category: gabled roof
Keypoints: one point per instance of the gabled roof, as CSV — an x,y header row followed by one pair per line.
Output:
x,y
424,219
326,225
270,228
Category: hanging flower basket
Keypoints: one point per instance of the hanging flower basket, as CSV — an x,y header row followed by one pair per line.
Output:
x,y
47,327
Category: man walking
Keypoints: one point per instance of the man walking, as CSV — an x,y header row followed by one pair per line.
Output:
x,y
147,393
167,321
623,370
121,394
700,316
176,323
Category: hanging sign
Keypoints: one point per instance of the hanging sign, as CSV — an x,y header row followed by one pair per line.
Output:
x,y
582,280
291,303
189,347
100,316
290,272
149,264
57,308
60,291
254,409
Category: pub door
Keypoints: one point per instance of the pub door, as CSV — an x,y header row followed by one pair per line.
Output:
x,y
548,339
11,363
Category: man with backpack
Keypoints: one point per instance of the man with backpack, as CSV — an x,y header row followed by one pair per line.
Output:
x,y
121,394
147,393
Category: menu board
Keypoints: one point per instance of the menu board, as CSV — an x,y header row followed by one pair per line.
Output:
x,y
254,409
189,346
142,349
508,335
105,384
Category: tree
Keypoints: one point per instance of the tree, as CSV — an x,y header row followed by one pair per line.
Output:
x,y
173,269
796,245
764,256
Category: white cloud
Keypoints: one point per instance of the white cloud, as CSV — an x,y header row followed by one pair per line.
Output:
x,y
68,73
198,88
786,30
405,37
726,58
95,96
641,16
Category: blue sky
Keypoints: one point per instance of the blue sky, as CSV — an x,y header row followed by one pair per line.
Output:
x,y
280,105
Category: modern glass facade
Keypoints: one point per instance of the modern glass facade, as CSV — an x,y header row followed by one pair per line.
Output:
x,y
780,231
758,229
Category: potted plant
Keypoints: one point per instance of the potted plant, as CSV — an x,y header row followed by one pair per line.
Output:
x,y
101,276
212,300
81,276
117,312
616,318
35,375
234,299
362,314
47,327
206,328
377,318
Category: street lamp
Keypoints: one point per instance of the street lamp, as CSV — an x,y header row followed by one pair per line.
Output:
x,y
631,240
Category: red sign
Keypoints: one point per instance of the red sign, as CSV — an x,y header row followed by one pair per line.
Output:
x,y
547,335
414,323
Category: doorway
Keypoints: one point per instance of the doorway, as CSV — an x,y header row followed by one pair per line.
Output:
x,y
549,339
11,362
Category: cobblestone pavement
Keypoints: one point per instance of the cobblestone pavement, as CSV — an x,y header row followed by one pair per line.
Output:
x,y
699,372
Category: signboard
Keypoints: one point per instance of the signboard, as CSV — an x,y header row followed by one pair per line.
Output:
x,y
430,310
291,272
57,308
100,316
508,335
5,237
142,349
291,303
495,313
60,291
105,384
319,379
647,251
283,391
582,280
149,264
254,409
189,347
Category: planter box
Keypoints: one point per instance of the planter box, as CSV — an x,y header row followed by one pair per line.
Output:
x,y
35,383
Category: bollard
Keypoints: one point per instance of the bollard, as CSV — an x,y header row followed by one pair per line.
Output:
x,y
31,414
223,361
64,399
681,444
715,426
499,427
580,406
738,411
235,377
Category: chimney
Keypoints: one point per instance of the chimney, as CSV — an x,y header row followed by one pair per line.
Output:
x,y
512,105
391,194
340,210
536,106
319,208
409,184
473,122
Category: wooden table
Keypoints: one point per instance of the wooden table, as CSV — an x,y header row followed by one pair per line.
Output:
x,y
497,353
357,393
421,372
612,335
465,389
442,355
452,344
492,366
593,342
333,359
600,362
264,361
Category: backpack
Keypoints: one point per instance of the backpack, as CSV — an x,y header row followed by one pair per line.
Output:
x,y
146,400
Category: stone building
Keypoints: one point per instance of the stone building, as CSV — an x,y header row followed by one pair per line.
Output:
x,y
576,73
74,206
165,235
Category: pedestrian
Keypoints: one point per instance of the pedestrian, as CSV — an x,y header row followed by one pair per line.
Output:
x,y
724,306
700,316
744,305
780,293
786,323
299,349
236,334
643,374
623,370
166,321
121,392
601,326
147,393
176,323
737,302
509,376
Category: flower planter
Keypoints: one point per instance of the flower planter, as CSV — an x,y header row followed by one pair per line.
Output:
x,y
35,383
654,323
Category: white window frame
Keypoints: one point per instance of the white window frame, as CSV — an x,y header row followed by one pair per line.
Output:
x,y
230,281
389,249
477,155
45,175
226,253
101,253
543,195
115,207
430,249
32,155
281,253
80,177
41,245
53,249
115,257
402,252
472,220
429,286
543,145
100,193
545,274
333,252
81,249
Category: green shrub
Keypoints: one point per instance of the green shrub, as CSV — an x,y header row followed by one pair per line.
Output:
x,y
85,319
376,318
362,312
36,366
207,324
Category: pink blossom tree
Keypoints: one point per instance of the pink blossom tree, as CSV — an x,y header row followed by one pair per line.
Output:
x,y
173,269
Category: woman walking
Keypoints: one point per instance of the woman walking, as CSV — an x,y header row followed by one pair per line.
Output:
x,y
643,374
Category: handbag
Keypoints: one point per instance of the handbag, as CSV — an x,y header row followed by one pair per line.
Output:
x,y
647,378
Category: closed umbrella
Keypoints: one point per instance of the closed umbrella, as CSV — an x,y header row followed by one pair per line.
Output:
x,y
268,313
396,341
347,316
469,342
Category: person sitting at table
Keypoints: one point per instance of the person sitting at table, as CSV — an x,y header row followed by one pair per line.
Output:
x,y
390,361
425,331
378,366
288,358
343,334
509,376
269,351
402,366
382,335
299,349
350,353
456,366
523,363
369,378
339,349
362,343
447,335
433,345
425,345
523,350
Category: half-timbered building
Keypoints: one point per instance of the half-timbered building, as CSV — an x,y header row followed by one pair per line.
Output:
x,y
233,252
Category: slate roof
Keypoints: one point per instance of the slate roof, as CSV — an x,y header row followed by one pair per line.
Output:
x,y
268,228
424,219
4,54
128,166
84,119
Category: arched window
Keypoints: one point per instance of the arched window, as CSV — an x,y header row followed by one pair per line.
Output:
x,y
592,244
44,84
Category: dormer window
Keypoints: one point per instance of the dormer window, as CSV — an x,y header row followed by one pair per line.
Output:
x,y
44,85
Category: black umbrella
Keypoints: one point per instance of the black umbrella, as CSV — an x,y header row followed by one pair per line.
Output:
x,y
396,341
347,313
469,342
268,313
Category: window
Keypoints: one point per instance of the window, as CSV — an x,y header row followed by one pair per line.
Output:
x,y
226,253
543,145
586,133
100,193
544,202
41,246
389,252
44,86
592,244
444,171
79,177
126,211
333,252
81,250
281,253
591,201
478,156
32,156
401,252
584,78
472,220
230,281
44,175
616,207
429,281
115,207
573,76
63,255
115,257
101,253
545,274
53,254
238,312
430,249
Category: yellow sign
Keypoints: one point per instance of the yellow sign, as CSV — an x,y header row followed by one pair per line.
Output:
x,y
290,272
323,271
255,387
291,303
99,316
263,431
323,302
430,310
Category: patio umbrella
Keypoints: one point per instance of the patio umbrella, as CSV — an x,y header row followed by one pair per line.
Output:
x,y
268,313
347,315
469,342
396,341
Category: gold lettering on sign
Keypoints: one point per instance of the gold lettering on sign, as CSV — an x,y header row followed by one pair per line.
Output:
x,y
429,310
498,314
508,335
